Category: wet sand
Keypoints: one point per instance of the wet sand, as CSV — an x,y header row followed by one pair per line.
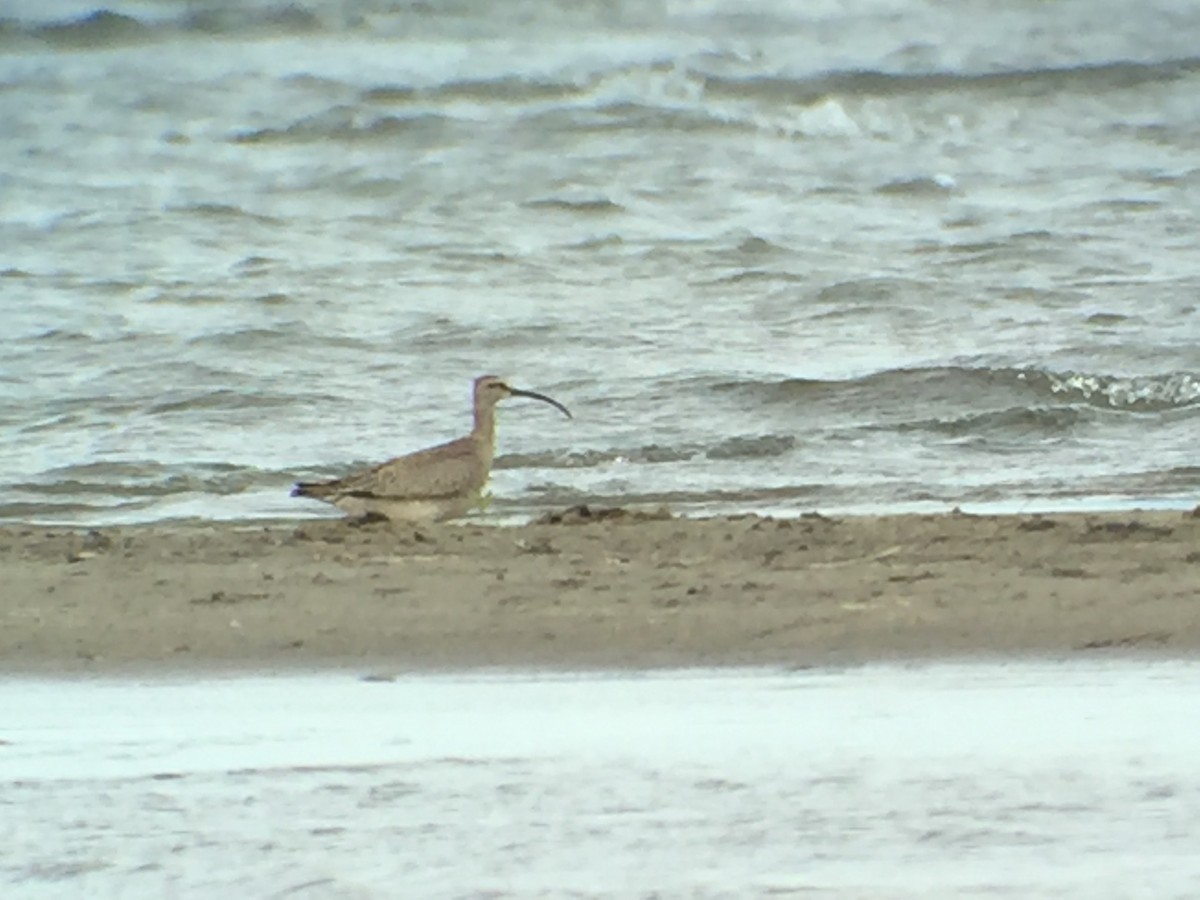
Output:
x,y
598,588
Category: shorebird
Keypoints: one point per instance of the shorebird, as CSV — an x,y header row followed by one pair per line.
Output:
x,y
442,482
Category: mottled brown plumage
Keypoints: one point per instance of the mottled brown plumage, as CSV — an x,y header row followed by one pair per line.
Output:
x,y
442,482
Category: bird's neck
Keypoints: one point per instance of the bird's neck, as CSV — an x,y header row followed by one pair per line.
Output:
x,y
485,426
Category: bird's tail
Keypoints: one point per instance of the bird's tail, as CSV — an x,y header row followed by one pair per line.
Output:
x,y
317,489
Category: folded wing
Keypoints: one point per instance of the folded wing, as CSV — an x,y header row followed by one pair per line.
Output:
x,y
448,470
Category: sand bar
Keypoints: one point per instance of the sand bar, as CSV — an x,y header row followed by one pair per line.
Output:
x,y
598,588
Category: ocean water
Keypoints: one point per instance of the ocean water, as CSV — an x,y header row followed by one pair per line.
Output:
x,y
1020,780
778,256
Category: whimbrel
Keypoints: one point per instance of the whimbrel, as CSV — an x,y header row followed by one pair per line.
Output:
x,y
442,482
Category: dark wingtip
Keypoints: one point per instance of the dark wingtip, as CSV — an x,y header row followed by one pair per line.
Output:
x,y
301,489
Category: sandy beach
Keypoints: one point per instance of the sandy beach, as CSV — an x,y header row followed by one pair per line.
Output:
x,y
598,588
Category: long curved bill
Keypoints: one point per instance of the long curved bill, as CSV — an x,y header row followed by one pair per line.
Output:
x,y
534,395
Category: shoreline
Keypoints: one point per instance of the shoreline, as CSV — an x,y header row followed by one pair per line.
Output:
x,y
603,590
388,670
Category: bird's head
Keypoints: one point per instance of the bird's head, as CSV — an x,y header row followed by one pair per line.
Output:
x,y
491,389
